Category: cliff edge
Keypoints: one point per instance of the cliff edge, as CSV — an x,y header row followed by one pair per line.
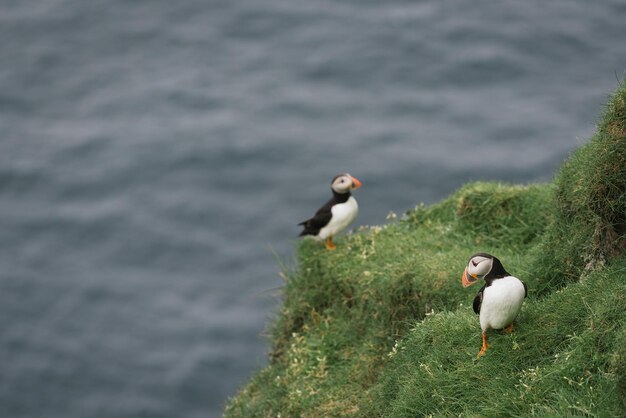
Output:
x,y
383,327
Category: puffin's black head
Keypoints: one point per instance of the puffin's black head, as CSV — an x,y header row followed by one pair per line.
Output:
x,y
482,266
344,182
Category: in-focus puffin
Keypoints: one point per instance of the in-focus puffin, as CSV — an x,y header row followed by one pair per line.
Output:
x,y
337,213
499,301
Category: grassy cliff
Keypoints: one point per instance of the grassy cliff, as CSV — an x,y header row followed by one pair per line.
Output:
x,y
382,326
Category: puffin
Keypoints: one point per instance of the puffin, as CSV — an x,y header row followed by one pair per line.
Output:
x,y
336,214
499,301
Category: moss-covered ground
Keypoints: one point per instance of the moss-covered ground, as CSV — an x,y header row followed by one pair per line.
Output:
x,y
383,327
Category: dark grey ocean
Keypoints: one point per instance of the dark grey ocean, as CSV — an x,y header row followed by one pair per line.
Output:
x,y
155,157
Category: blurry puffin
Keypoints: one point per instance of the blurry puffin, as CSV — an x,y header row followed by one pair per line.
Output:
x,y
499,301
337,213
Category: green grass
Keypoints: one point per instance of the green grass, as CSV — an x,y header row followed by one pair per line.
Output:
x,y
383,327
565,357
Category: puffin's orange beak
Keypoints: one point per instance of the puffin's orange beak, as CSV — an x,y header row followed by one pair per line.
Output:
x,y
355,183
467,279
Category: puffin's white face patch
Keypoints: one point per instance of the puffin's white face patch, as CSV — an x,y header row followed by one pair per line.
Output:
x,y
479,266
342,183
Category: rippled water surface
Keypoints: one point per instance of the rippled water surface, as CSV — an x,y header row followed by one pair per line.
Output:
x,y
155,157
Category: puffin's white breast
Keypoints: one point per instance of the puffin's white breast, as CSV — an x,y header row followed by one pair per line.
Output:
x,y
501,303
342,215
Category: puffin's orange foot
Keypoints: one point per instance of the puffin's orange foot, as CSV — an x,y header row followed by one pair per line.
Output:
x,y
329,244
485,346
509,329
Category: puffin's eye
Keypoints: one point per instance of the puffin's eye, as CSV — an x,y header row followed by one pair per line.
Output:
x,y
475,263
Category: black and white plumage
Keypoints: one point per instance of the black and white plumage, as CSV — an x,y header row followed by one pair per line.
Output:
x,y
337,213
499,301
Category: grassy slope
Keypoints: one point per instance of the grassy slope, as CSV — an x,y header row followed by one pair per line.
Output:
x,y
382,326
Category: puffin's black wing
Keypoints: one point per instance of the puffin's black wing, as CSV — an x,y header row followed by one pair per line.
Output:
x,y
321,218
525,289
478,300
